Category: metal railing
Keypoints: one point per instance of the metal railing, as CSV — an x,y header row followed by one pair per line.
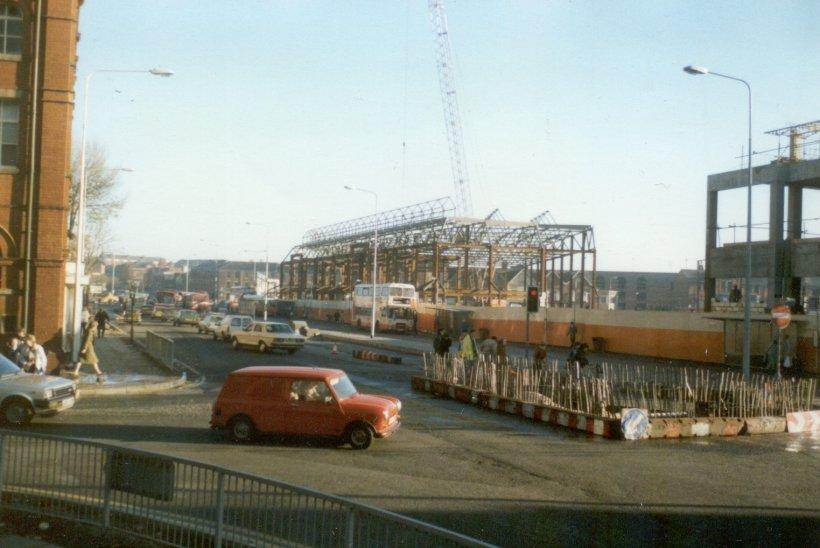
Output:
x,y
186,503
160,348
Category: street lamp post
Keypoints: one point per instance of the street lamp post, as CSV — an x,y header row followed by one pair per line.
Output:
x,y
79,265
747,300
267,270
375,254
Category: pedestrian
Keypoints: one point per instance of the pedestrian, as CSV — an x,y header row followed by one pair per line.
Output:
x,y
469,349
87,353
539,357
445,343
502,352
102,319
736,295
84,317
37,361
437,342
489,348
786,352
415,317
21,350
572,331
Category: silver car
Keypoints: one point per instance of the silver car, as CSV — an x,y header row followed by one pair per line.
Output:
x,y
23,395
209,323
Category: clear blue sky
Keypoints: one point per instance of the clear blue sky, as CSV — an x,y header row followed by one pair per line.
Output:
x,y
576,107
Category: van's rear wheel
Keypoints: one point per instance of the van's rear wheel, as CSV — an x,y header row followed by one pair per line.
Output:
x,y
17,412
262,347
360,436
242,429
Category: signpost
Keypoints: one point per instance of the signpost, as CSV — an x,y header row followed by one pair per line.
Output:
x,y
781,317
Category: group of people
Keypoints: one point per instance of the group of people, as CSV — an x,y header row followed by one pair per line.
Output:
x,y
469,348
496,350
30,356
27,353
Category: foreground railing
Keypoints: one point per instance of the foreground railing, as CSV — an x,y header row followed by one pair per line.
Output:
x,y
187,503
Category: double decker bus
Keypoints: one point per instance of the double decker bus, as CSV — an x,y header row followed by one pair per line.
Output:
x,y
395,306
196,300
166,305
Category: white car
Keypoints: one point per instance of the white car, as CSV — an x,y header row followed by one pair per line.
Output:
x,y
209,323
23,395
268,335
231,324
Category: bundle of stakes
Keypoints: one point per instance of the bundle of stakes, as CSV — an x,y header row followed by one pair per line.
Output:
x,y
604,389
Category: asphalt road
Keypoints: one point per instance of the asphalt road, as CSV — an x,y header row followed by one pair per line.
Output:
x,y
496,477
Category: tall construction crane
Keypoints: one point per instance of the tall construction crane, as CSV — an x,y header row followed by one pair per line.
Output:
x,y
452,118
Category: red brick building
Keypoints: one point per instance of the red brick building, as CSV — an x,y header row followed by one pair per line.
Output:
x,y
37,72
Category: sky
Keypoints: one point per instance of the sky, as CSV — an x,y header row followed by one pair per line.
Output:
x,y
579,108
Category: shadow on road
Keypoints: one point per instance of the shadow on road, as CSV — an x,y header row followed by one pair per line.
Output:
x,y
173,434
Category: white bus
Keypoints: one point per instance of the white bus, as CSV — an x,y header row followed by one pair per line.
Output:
x,y
395,306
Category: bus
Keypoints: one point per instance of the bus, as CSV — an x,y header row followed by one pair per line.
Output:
x,y
166,305
196,300
395,306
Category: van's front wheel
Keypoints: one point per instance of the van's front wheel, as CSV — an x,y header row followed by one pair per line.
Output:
x,y
360,436
242,429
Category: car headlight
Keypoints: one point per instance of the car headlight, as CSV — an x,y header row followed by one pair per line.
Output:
x,y
398,405
48,393
386,414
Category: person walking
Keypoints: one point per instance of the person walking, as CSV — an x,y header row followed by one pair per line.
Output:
x,y
502,352
572,331
87,353
469,350
37,361
539,357
102,319
84,317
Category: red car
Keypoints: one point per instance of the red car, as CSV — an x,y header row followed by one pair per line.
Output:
x,y
306,401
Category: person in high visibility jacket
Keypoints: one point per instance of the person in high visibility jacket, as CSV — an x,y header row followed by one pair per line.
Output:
x,y
469,350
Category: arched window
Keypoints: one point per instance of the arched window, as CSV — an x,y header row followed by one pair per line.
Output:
x,y
11,30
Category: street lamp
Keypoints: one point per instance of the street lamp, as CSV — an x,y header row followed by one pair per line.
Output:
x,y
79,265
375,253
747,300
267,271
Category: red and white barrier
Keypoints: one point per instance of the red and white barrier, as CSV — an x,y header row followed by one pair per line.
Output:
x,y
803,421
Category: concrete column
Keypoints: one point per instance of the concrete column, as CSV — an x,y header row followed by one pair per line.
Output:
x,y
711,243
794,216
776,281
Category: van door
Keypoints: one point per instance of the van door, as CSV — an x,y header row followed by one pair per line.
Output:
x,y
312,409
268,409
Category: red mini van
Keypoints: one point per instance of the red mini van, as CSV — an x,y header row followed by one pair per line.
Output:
x,y
306,401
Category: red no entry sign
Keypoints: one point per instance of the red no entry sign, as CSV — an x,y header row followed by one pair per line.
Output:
x,y
781,316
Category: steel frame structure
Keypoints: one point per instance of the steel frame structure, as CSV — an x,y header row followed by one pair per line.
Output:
x,y
449,259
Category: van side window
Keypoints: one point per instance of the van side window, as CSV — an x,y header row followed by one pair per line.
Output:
x,y
307,391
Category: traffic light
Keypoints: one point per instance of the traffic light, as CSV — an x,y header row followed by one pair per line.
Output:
x,y
532,299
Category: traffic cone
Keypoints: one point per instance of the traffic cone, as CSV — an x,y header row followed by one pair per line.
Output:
x,y
334,351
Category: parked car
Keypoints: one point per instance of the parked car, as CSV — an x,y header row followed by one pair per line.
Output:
x,y
132,317
23,395
186,317
209,323
268,335
305,401
147,310
229,325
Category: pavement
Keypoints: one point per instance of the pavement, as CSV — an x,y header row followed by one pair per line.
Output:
x,y
127,369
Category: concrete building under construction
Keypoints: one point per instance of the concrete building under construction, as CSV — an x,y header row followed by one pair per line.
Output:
x,y
449,259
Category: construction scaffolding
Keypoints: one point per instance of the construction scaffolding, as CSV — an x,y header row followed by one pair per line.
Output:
x,y
449,259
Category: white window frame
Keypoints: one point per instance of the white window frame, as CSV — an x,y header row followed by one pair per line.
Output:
x,y
6,16
5,129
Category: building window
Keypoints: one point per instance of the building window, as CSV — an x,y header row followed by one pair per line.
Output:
x,y
9,130
11,30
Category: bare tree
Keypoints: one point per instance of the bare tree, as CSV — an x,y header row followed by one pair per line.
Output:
x,y
101,202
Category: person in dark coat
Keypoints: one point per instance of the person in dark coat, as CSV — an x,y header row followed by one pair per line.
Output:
x,y
102,319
